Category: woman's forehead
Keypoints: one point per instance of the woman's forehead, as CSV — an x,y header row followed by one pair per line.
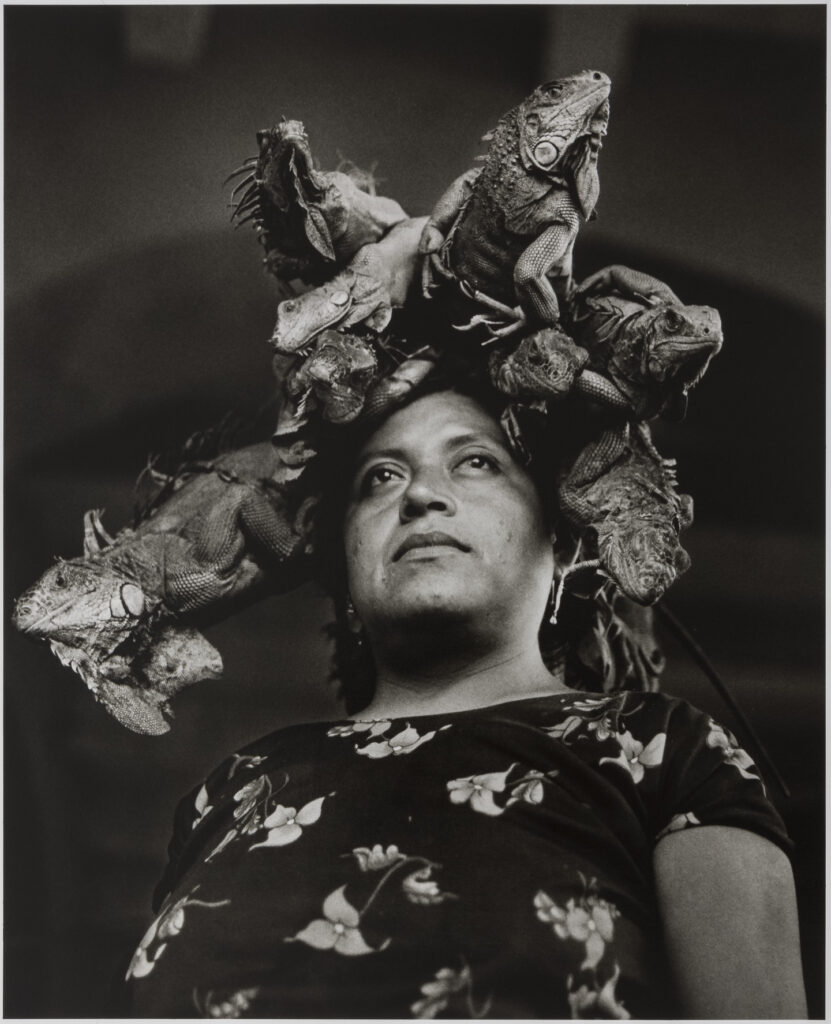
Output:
x,y
434,420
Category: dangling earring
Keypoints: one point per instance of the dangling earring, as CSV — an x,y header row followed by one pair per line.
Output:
x,y
353,623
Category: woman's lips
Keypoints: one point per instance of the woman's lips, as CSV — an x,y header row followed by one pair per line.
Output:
x,y
433,539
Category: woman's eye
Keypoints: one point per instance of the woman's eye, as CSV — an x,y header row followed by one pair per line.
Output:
x,y
479,461
377,477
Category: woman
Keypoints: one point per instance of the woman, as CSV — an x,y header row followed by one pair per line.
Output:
x,y
479,839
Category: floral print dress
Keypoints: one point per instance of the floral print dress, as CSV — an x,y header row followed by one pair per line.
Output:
x,y
487,863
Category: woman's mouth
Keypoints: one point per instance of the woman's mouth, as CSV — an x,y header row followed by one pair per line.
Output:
x,y
433,539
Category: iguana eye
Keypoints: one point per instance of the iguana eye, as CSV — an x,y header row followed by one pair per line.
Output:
x,y
546,154
672,320
60,580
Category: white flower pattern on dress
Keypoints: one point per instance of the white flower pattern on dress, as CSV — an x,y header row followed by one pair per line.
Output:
x,y
440,990
337,929
479,791
634,756
421,887
285,824
591,1003
169,923
591,922
374,727
404,742
232,1007
201,806
377,858
678,822
722,739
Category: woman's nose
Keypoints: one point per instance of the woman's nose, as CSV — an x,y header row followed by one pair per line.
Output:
x,y
426,493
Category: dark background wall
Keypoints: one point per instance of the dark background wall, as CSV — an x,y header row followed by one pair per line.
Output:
x,y
135,314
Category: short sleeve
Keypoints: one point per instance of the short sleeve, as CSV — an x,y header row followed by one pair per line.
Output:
x,y
708,779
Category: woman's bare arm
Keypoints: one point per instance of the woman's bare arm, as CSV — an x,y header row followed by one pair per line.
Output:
x,y
728,907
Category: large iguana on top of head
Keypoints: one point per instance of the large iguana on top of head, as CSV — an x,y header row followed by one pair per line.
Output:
x,y
310,222
505,234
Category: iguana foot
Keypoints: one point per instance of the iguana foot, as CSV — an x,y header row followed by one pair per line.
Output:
x,y
629,282
433,274
497,328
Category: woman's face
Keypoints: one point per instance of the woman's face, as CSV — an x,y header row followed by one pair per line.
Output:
x,y
442,523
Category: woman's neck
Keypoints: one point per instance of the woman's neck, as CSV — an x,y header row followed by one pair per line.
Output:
x,y
461,686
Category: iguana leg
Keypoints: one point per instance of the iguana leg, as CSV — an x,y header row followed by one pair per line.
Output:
x,y
598,456
219,549
444,213
446,210
631,283
597,388
208,575
268,527
594,460
550,252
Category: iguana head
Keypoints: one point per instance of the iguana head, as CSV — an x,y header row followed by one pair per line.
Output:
x,y
285,167
82,602
302,318
543,365
638,544
663,351
339,372
561,125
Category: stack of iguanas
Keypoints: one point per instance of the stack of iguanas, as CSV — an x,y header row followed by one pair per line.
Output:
x,y
494,263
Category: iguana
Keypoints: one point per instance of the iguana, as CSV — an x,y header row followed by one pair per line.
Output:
x,y
630,506
504,234
376,280
646,348
545,364
337,375
310,222
112,615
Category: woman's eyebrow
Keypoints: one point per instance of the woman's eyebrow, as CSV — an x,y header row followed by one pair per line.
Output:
x,y
476,437
379,453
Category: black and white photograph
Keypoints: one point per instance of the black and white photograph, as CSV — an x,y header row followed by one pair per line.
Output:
x,y
414,511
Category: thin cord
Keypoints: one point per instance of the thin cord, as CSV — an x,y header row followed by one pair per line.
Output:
x,y
683,634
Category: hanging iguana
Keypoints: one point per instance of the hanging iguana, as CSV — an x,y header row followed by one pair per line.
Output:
x,y
504,234
622,495
113,615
